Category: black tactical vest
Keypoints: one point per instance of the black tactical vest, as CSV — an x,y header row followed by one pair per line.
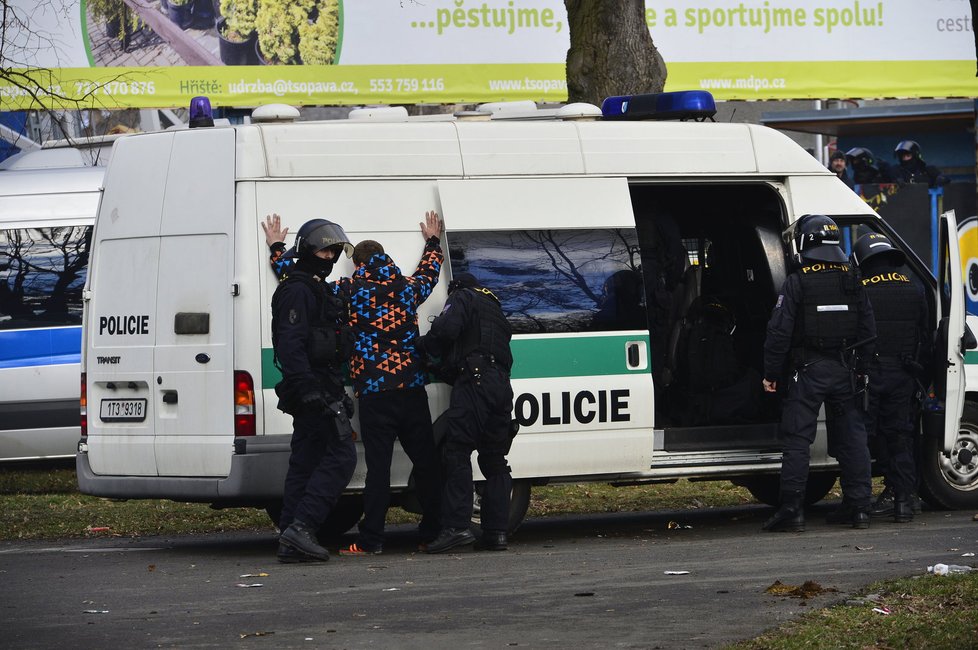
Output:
x,y
330,335
487,332
896,305
830,307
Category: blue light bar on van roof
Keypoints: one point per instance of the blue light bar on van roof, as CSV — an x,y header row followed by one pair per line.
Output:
x,y
201,114
684,105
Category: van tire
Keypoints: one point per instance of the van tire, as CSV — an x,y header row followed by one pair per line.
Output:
x,y
519,503
766,488
346,513
952,484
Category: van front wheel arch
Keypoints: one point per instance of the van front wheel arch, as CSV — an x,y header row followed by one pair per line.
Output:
x,y
952,483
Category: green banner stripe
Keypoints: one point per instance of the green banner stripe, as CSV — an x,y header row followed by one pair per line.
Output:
x,y
821,79
166,87
585,356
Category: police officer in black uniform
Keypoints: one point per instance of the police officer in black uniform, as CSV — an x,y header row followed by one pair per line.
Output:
x,y
865,168
472,336
911,167
821,313
903,342
312,340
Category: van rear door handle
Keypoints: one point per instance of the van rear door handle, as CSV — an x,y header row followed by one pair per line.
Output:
x,y
633,355
170,397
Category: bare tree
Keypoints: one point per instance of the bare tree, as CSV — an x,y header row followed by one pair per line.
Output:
x,y
611,51
21,41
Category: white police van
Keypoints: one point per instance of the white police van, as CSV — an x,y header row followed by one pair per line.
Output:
x,y
48,200
600,235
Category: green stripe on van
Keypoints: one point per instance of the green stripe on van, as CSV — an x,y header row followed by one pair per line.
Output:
x,y
270,375
971,356
572,356
545,357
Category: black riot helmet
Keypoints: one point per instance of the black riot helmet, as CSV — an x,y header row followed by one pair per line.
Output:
x,y
314,236
814,237
860,157
878,247
907,146
462,281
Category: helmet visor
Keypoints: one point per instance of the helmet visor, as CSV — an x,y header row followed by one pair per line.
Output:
x,y
326,235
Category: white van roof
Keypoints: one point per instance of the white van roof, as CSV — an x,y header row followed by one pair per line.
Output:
x,y
42,197
355,148
55,180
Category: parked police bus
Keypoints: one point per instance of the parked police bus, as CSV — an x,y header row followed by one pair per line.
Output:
x,y
48,200
608,239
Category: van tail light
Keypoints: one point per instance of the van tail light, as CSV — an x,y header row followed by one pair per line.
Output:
x,y
83,406
244,404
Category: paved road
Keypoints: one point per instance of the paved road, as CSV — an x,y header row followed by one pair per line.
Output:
x,y
595,581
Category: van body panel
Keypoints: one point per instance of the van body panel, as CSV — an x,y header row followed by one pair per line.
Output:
x,y
120,365
194,369
51,182
519,149
666,148
46,210
249,160
777,154
341,149
821,195
133,196
952,310
518,203
150,271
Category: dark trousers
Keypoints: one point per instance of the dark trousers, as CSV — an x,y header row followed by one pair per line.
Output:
x,y
399,414
320,467
825,381
478,419
890,420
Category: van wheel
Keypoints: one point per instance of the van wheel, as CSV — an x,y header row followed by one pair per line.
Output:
x,y
346,513
766,488
519,503
952,483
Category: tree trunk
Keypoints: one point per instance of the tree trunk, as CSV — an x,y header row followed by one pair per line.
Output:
x,y
611,51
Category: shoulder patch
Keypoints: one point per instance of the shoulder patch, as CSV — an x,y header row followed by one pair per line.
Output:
x,y
780,300
293,317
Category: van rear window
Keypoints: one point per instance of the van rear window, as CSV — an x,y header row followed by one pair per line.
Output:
x,y
42,273
557,280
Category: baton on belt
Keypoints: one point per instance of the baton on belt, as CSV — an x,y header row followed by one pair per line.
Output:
x,y
850,351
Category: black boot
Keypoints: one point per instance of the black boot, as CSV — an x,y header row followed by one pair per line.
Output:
x,y
288,555
902,508
450,538
884,504
790,517
303,539
494,541
850,515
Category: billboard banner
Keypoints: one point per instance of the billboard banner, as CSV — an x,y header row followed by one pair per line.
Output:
x,y
158,53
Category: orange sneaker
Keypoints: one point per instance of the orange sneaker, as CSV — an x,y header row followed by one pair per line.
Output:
x,y
356,549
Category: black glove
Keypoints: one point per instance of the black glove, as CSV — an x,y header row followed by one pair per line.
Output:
x,y
348,405
313,402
